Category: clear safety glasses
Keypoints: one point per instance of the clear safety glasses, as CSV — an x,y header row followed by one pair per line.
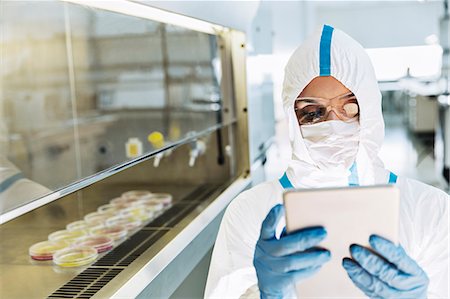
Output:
x,y
311,110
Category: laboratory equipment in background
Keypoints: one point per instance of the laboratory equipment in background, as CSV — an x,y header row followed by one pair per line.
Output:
x,y
423,114
443,137
198,148
429,105
94,96
156,139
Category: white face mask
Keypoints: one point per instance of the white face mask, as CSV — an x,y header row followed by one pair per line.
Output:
x,y
332,144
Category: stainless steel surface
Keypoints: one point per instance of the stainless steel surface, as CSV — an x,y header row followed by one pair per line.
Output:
x,y
22,277
134,279
234,57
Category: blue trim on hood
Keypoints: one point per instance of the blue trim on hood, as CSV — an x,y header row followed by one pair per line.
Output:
x,y
325,51
392,178
285,182
353,179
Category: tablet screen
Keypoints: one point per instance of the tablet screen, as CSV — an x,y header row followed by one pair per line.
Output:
x,y
350,215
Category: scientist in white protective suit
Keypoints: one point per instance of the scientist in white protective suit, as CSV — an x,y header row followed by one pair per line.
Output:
x,y
336,128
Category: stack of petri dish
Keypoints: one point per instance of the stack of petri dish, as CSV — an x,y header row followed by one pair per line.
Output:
x,y
43,251
81,242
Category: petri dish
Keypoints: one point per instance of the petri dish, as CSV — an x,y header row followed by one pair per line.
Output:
x,y
129,223
96,218
66,235
135,194
150,204
164,198
75,256
124,202
116,232
100,243
110,208
43,251
140,212
78,225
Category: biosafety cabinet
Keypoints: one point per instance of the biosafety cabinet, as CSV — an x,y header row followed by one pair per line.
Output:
x,y
122,121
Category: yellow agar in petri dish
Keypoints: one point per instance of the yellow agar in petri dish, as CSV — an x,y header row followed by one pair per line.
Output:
x,y
129,223
140,212
43,251
75,256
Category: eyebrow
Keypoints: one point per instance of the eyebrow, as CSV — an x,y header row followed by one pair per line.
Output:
x,y
347,95
307,100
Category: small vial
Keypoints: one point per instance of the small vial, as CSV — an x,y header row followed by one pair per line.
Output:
x,y
133,148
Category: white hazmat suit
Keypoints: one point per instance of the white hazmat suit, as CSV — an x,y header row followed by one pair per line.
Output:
x,y
424,210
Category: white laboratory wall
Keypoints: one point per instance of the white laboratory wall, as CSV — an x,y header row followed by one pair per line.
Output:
x,y
233,14
380,24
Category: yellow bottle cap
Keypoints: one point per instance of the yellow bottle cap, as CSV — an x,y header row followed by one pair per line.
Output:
x,y
156,139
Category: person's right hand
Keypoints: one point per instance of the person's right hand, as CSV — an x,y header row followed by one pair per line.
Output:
x,y
281,263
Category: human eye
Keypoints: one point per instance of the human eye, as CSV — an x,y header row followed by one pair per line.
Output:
x,y
311,114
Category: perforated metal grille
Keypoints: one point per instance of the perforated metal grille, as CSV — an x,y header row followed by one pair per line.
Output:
x,y
128,251
91,280
86,284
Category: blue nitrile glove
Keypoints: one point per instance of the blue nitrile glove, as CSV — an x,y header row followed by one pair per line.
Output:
x,y
280,263
387,273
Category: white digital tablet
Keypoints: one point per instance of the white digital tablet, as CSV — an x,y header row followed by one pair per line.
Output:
x,y
350,215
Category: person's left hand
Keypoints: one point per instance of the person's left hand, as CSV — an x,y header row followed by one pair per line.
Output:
x,y
385,271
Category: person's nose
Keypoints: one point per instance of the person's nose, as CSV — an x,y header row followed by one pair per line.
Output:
x,y
332,116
